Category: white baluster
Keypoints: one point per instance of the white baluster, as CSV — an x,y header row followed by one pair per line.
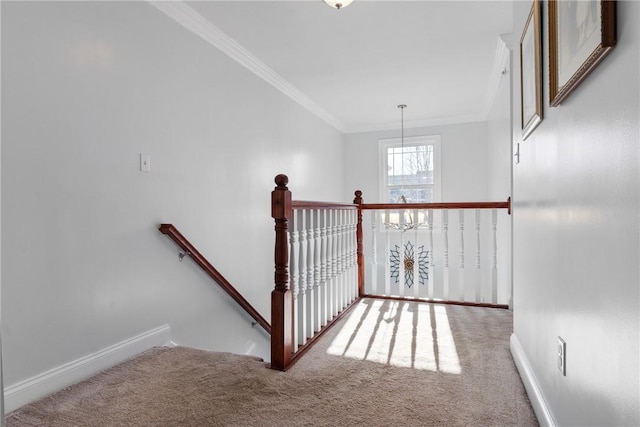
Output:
x,y
316,268
346,227
402,276
330,275
341,235
310,271
324,276
353,263
334,262
430,269
445,253
374,252
345,258
303,275
354,254
348,257
348,265
387,258
494,257
461,266
293,278
479,297
340,260
336,259
416,257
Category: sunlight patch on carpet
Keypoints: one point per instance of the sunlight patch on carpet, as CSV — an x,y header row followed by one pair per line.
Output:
x,y
399,333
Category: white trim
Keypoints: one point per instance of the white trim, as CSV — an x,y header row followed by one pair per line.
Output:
x,y
199,25
536,397
441,121
63,376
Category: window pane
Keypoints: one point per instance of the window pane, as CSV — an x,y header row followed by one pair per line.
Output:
x,y
411,165
411,169
413,195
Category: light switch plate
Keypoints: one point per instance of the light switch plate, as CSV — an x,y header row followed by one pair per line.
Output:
x,y
145,162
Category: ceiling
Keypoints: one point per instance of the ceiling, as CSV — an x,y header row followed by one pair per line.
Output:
x,y
353,66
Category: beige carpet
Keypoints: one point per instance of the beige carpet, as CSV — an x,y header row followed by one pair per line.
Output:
x,y
386,364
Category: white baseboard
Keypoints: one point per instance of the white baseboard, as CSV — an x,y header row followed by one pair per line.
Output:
x,y
536,397
33,388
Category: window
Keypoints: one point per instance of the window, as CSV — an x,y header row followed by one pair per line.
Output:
x,y
411,169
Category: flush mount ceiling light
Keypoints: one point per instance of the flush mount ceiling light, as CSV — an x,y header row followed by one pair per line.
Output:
x,y
338,4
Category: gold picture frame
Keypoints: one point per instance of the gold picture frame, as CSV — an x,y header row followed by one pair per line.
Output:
x,y
581,34
531,72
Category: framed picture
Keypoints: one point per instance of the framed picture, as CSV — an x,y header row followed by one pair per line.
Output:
x,y
531,72
581,34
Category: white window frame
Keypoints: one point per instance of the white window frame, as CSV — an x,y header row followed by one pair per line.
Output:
x,y
433,140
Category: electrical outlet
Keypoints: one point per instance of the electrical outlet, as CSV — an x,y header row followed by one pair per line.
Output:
x,y
562,356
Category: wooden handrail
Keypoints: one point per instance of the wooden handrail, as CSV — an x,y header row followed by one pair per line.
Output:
x,y
453,205
306,204
189,249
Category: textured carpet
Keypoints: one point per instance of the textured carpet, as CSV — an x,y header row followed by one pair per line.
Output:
x,y
385,364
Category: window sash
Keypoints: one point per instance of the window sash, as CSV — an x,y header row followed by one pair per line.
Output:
x,y
391,150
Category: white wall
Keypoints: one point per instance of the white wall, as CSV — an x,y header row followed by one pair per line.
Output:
x,y
576,237
464,161
499,156
87,86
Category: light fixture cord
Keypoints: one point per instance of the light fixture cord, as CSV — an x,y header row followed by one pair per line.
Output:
x,y
402,107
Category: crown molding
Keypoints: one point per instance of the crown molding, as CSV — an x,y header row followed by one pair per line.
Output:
x,y
412,124
196,23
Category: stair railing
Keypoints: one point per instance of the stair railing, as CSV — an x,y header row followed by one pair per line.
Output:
x,y
444,252
316,271
198,258
320,261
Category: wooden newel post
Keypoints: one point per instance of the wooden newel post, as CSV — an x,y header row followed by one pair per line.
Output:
x,y
281,298
360,251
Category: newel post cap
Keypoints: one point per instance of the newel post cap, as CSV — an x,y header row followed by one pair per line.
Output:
x,y
281,198
358,199
281,181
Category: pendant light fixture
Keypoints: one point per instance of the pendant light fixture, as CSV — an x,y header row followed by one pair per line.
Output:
x,y
407,222
338,4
